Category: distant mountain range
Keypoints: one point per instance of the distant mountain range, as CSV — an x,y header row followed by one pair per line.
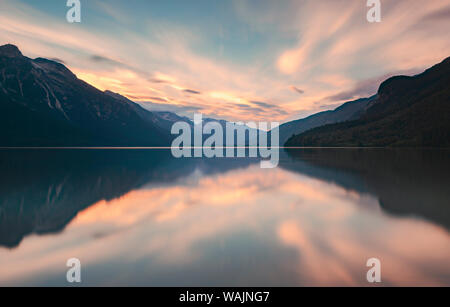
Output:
x,y
407,111
42,103
348,111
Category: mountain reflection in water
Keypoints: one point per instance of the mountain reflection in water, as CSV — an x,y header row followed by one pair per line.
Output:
x,y
140,217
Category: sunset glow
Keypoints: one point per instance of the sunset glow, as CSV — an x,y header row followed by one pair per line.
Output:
x,y
294,60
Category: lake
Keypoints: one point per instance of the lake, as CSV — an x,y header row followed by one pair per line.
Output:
x,y
137,217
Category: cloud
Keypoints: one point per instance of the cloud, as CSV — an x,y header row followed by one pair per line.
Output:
x,y
191,92
99,58
178,109
326,46
368,87
143,98
58,60
116,13
441,15
264,104
155,80
297,90
105,60
331,43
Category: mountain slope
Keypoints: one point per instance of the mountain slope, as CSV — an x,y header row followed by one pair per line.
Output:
x,y
347,111
408,111
42,103
165,120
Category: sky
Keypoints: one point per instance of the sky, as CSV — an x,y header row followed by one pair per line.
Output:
x,y
240,60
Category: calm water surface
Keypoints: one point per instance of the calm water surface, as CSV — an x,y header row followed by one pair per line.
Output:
x,y
140,217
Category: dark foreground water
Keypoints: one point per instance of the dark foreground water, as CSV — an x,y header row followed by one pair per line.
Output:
x,y
140,217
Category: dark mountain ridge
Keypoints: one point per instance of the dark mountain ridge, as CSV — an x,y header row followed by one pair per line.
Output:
x,y
42,103
407,111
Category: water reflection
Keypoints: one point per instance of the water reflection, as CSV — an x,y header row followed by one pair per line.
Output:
x,y
407,182
142,218
41,191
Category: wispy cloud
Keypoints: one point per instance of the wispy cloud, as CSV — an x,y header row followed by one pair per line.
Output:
x,y
297,90
225,61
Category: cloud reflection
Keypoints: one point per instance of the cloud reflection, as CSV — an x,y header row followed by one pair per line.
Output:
x,y
288,228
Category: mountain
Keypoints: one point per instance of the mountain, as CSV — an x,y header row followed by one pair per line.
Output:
x,y
42,103
407,111
348,111
165,120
